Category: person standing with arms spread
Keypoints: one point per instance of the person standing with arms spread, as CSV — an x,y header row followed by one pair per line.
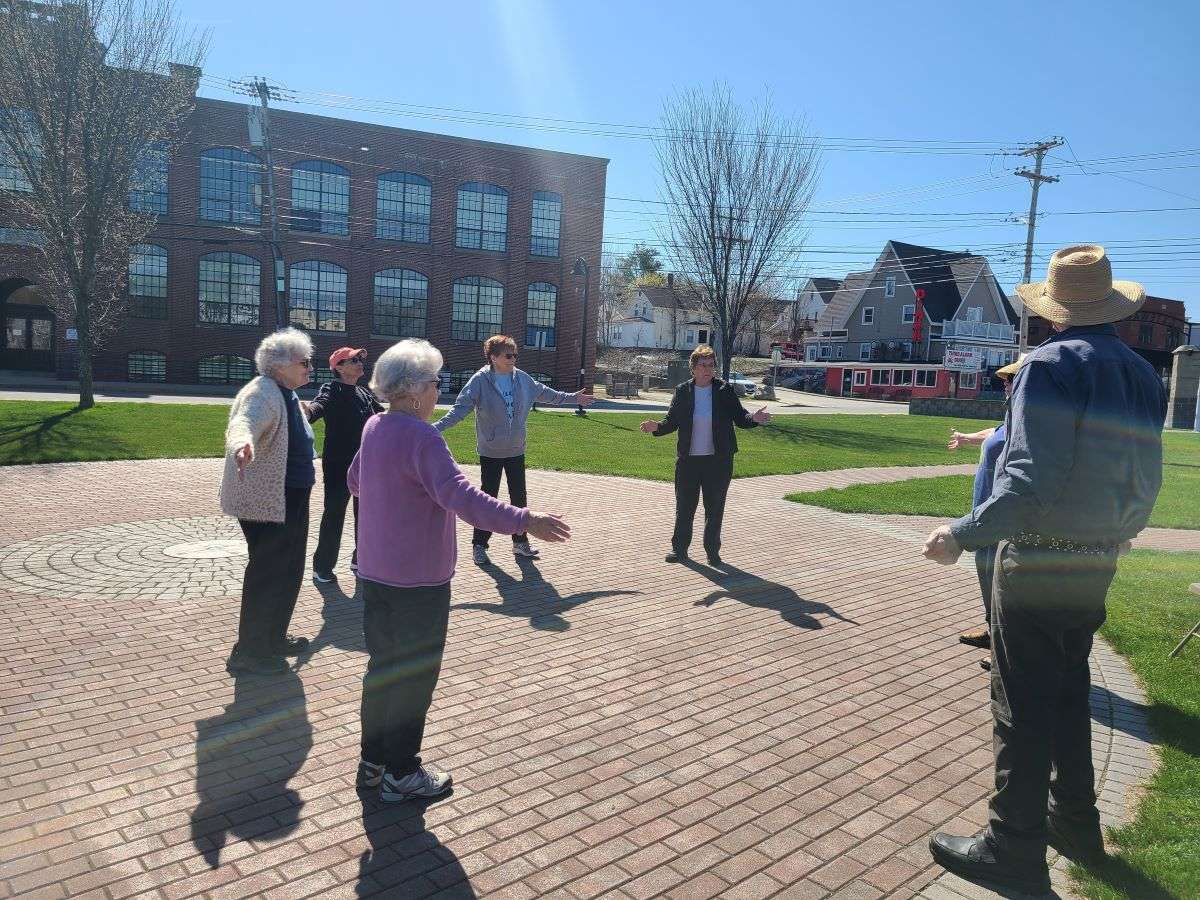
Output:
x,y
501,395
345,405
1080,471
703,411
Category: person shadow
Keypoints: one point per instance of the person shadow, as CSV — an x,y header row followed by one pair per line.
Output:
x,y
534,598
406,859
743,587
341,623
245,756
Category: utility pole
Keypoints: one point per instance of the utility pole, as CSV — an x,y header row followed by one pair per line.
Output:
x,y
1036,178
258,87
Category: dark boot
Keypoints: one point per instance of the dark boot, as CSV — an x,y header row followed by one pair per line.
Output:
x,y
976,860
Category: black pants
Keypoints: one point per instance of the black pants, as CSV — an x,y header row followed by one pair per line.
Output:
x,y
513,469
273,576
405,630
333,520
697,476
1046,606
985,568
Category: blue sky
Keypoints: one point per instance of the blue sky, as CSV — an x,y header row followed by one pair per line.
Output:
x,y
1115,79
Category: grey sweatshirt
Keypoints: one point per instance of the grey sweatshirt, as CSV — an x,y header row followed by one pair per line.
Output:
x,y
495,435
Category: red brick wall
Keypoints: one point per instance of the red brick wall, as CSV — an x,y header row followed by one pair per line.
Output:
x,y
447,162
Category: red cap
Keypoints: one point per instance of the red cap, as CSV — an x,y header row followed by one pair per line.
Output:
x,y
341,354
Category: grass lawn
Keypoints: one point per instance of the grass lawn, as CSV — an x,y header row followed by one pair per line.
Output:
x,y
1149,610
602,443
950,496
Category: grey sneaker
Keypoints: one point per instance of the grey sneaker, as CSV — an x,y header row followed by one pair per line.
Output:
x,y
323,577
423,783
479,554
522,548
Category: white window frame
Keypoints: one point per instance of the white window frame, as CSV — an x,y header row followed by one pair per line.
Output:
x,y
864,351
968,381
810,354
906,350
889,286
902,377
839,351
974,313
908,313
860,377
925,378
881,377
868,316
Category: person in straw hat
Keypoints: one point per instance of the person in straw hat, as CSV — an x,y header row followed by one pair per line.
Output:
x,y
1078,476
991,443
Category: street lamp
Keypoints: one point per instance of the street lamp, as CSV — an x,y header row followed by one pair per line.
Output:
x,y
581,271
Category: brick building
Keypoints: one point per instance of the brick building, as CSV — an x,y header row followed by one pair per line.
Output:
x,y
384,233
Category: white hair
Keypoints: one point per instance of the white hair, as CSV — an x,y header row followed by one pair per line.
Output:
x,y
403,367
282,348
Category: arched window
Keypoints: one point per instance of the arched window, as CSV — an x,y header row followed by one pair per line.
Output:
x,y
148,182
402,203
541,303
230,186
482,222
148,281
146,365
477,310
229,289
547,219
225,369
320,197
401,300
317,296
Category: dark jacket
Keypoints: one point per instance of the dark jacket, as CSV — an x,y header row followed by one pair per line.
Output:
x,y
345,408
727,412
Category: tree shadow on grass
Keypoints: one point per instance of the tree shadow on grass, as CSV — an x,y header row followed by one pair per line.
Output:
x,y
46,440
741,586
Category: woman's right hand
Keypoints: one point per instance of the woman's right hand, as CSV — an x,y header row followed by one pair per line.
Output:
x,y
957,439
649,426
243,457
546,527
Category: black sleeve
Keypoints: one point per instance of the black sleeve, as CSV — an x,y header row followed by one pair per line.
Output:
x,y
738,413
671,422
318,406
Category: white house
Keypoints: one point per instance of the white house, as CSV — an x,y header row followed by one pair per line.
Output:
x,y
662,318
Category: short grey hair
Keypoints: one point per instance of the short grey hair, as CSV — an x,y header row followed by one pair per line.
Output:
x,y
403,367
282,348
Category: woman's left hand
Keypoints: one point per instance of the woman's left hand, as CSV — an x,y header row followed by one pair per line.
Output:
x,y
583,399
762,417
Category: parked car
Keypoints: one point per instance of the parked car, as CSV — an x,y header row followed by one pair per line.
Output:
x,y
742,385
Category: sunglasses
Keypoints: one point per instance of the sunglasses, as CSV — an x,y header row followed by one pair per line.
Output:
x,y
355,360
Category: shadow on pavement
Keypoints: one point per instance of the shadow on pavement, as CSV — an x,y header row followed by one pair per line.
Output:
x,y
741,586
341,623
405,858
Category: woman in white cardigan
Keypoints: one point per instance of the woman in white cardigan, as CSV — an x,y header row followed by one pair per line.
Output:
x,y
268,477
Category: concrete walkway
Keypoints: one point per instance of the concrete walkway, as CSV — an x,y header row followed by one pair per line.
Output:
x,y
794,726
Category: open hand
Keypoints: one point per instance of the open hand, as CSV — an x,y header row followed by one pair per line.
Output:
x,y
649,426
941,546
243,457
762,417
547,527
583,399
957,439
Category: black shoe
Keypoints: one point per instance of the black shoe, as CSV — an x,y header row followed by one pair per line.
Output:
x,y
676,556
714,560
974,859
985,664
244,664
1081,845
293,646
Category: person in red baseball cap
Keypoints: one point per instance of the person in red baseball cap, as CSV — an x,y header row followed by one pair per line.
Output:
x,y
346,406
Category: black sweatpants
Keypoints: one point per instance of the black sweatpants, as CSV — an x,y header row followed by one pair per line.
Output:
x,y
513,469
405,630
274,573
333,521
697,476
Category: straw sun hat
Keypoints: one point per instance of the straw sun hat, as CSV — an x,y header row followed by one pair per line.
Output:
x,y
1011,369
1079,289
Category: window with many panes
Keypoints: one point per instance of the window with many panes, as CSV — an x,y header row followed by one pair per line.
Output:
x,y
453,382
148,181
225,368
148,281
482,217
868,315
547,220
881,376
230,186
12,176
902,377
477,309
400,304
864,350
229,289
542,378
541,304
146,365
926,378
860,379
908,313
320,198
402,205
317,296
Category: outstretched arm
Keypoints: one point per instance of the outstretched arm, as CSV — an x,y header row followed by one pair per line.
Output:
x,y
465,403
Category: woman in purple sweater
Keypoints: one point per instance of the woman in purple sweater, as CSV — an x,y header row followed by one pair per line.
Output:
x,y
410,491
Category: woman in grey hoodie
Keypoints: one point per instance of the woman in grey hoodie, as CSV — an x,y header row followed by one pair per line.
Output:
x,y
501,396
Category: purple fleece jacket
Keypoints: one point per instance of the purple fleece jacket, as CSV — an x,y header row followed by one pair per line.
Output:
x,y
410,489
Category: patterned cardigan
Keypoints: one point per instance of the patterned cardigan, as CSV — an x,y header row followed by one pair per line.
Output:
x,y
258,417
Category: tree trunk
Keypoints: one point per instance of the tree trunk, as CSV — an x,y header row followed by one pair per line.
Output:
x,y
83,325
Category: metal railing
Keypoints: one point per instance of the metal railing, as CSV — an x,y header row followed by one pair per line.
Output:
x,y
958,328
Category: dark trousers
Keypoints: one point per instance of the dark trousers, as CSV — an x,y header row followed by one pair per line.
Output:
x,y
273,576
1046,606
513,469
985,568
333,520
696,477
405,630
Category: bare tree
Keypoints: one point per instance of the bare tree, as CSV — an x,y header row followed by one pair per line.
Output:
x,y
91,93
737,187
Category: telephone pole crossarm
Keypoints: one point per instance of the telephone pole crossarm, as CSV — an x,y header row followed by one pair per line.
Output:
x,y
1036,180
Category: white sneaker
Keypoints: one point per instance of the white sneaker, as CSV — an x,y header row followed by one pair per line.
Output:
x,y
479,554
522,548
425,782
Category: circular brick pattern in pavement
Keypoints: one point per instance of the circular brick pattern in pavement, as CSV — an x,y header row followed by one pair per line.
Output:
x,y
162,559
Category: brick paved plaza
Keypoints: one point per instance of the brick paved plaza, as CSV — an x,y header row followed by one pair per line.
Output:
x,y
616,726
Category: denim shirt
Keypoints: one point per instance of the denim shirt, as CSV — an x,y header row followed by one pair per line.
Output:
x,y
1083,457
985,475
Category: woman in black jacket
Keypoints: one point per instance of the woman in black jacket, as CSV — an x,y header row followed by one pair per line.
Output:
x,y
703,411
345,405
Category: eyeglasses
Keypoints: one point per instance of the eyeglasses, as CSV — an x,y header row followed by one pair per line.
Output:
x,y
307,363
